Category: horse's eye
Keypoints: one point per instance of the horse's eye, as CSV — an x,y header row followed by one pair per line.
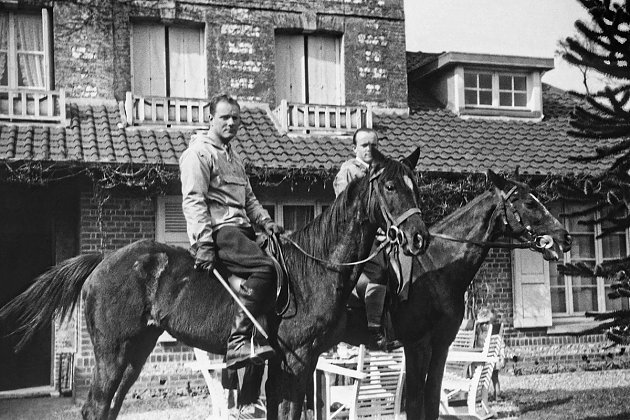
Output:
x,y
389,186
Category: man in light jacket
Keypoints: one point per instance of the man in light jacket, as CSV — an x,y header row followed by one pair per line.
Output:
x,y
220,207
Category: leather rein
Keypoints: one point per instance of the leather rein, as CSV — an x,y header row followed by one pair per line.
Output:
x,y
393,235
534,241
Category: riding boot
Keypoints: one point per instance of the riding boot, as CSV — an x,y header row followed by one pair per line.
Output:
x,y
374,306
246,344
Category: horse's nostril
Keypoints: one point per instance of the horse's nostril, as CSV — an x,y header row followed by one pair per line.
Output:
x,y
417,240
568,239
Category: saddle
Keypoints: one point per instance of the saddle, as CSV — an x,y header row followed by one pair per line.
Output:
x,y
271,246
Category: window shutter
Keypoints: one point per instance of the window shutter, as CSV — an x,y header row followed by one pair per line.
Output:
x,y
290,68
149,60
532,298
186,62
323,62
171,224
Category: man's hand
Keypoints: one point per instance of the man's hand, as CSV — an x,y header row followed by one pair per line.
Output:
x,y
205,256
272,228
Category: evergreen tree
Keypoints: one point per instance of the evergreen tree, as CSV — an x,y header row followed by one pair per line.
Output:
x,y
603,45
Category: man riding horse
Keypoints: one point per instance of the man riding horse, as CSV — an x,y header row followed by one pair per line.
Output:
x,y
372,285
220,206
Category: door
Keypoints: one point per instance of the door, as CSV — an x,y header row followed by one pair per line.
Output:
x,y
26,250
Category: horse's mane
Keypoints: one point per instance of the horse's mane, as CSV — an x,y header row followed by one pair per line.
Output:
x,y
317,236
449,219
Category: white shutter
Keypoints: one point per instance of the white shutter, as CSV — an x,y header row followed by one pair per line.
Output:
x,y
171,224
532,297
323,63
186,62
290,68
149,60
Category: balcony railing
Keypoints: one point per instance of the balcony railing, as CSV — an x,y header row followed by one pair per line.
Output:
x,y
18,104
309,118
166,110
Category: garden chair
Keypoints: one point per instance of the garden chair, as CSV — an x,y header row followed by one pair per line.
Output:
x,y
211,371
376,388
475,387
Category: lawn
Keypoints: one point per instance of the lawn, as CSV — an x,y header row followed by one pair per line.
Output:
x,y
581,395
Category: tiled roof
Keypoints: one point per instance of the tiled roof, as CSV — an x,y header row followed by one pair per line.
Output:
x,y
449,143
415,60
453,144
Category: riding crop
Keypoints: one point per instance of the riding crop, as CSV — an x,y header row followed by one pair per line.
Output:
x,y
238,301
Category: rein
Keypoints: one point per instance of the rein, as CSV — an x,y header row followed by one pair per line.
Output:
x,y
393,236
540,241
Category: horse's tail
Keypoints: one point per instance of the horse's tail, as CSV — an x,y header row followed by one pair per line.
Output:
x,y
54,292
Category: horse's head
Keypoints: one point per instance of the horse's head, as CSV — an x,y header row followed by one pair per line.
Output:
x,y
393,200
527,220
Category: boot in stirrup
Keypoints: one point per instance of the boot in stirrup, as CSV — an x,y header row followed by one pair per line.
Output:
x,y
244,345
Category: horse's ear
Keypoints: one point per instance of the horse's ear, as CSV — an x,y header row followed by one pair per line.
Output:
x,y
517,175
496,179
377,156
412,160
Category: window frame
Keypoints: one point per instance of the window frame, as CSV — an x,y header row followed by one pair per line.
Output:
x,y
600,282
305,69
166,26
279,207
496,91
12,51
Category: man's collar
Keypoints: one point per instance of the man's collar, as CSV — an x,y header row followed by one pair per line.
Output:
x,y
218,143
367,165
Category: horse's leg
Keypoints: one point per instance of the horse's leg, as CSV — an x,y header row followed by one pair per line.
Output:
x,y
272,387
285,392
433,387
108,372
417,357
139,349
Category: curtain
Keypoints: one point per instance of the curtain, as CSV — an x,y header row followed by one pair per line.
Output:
x,y
30,50
4,46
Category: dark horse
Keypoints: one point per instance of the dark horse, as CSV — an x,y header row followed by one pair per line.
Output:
x,y
428,321
135,293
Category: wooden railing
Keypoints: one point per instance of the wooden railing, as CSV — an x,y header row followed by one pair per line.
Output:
x,y
309,118
166,110
32,105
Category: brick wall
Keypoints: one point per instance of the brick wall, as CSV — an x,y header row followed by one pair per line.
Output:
x,y
92,45
536,351
125,219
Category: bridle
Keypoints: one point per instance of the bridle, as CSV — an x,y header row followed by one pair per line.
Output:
x,y
393,234
518,229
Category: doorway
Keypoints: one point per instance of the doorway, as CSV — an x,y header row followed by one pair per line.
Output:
x,y
26,250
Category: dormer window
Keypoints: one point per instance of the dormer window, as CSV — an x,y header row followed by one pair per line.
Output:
x,y
484,85
492,89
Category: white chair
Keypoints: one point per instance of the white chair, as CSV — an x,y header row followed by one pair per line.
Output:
x,y
474,387
203,364
376,389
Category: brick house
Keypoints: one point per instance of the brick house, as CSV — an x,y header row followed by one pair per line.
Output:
x,y
107,94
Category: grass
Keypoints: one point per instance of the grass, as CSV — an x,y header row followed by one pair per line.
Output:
x,y
603,395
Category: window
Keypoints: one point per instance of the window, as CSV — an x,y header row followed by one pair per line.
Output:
x,y
295,217
168,61
487,89
512,91
574,295
24,50
309,69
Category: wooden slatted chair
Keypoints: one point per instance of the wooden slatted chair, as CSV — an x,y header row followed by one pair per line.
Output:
x,y
475,387
208,368
376,391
